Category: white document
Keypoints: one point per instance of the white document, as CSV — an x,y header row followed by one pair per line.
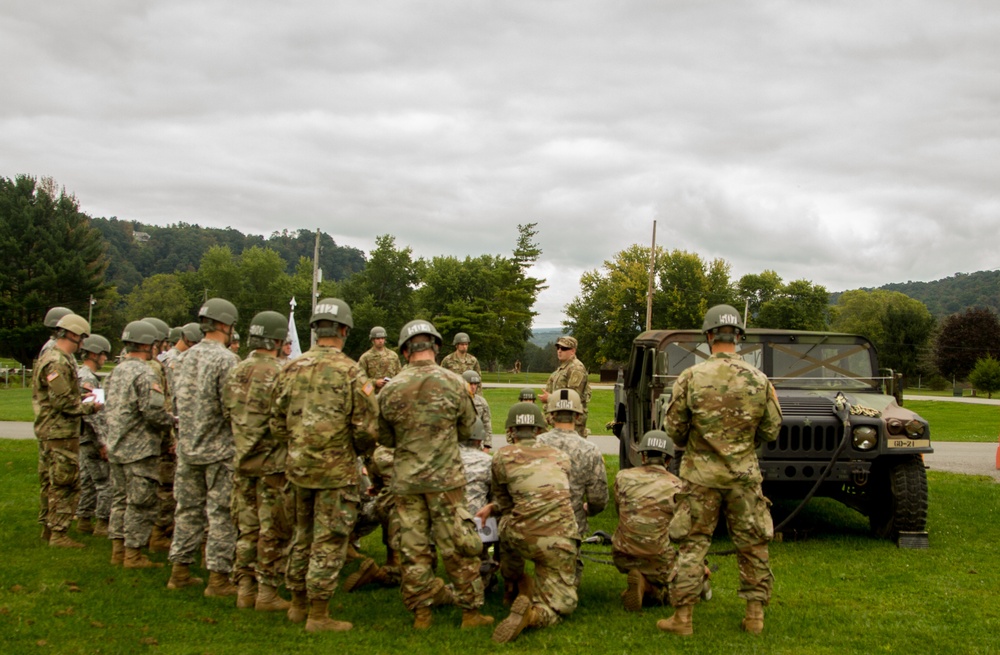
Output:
x,y
96,396
487,533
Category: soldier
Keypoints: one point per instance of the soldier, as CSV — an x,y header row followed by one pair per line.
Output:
x,y
203,483
159,540
58,406
378,362
530,484
719,411
526,396
384,511
476,465
234,342
588,478
644,498
50,321
571,374
137,420
324,406
95,483
260,488
173,338
482,407
424,412
460,360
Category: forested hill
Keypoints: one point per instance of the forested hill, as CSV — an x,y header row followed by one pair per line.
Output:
x,y
956,293
178,248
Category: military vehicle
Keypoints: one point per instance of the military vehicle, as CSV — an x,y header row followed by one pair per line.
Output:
x,y
843,434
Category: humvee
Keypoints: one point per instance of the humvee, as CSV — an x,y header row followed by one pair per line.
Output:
x,y
842,436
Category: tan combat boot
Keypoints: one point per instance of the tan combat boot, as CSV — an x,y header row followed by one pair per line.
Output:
x,y
159,542
219,586
522,614
101,528
134,559
319,618
180,577
86,526
246,596
298,611
117,552
636,591
753,622
679,623
422,618
268,600
475,619
366,574
63,540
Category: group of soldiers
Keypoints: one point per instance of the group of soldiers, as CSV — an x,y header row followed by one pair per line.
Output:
x,y
273,469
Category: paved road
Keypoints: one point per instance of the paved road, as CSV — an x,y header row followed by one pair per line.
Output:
x,y
952,456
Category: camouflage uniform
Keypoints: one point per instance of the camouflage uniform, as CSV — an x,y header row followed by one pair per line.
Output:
x,y
459,363
588,478
324,408
572,375
486,416
203,483
261,493
58,406
425,410
532,494
720,409
136,418
644,498
95,480
378,365
167,459
476,465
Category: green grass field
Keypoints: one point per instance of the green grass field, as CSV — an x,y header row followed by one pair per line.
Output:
x,y
837,591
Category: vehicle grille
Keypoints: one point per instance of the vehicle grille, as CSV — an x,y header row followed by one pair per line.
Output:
x,y
805,440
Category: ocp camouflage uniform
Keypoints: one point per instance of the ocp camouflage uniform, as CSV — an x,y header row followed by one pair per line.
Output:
x,y
378,365
95,480
203,484
459,363
324,408
486,416
719,411
261,493
424,412
588,478
572,375
136,417
530,483
644,498
58,407
167,460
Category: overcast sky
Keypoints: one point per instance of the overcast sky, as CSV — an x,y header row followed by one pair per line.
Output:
x,y
851,143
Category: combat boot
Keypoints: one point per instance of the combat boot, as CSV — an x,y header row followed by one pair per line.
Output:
x,y
475,619
522,614
679,623
753,622
636,591
219,586
366,574
134,559
117,552
159,542
180,577
268,600
85,525
422,618
352,553
101,528
246,596
319,618
443,596
63,540
298,611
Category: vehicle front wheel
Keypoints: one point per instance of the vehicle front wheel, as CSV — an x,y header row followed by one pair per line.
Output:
x,y
899,498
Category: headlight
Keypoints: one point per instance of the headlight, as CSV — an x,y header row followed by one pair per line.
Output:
x,y
915,429
865,437
894,426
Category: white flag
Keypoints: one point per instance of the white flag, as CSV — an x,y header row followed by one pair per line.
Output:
x,y
293,334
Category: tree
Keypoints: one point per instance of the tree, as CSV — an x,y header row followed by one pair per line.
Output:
x,y
755,289
965,338
799,305
49,255
164,297
985,375
899,326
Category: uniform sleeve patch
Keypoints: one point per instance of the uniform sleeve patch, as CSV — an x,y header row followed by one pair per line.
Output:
x,y
52,376
369,388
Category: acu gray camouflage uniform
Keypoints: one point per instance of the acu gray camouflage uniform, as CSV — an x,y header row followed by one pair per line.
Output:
x,y
486,416
136,418
588,478
203,484
95,477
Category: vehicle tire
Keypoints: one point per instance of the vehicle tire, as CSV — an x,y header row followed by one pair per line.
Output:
x,y
899,501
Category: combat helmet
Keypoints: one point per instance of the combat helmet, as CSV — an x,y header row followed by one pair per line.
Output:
x,y
53,315
461,337
267,328
472,377
415,328
378,332
527,395
722,316
192,333
220,310
564,400
478,431
139,332
76,324
162,329
657,441
96,344
524,415
331,309
174,336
